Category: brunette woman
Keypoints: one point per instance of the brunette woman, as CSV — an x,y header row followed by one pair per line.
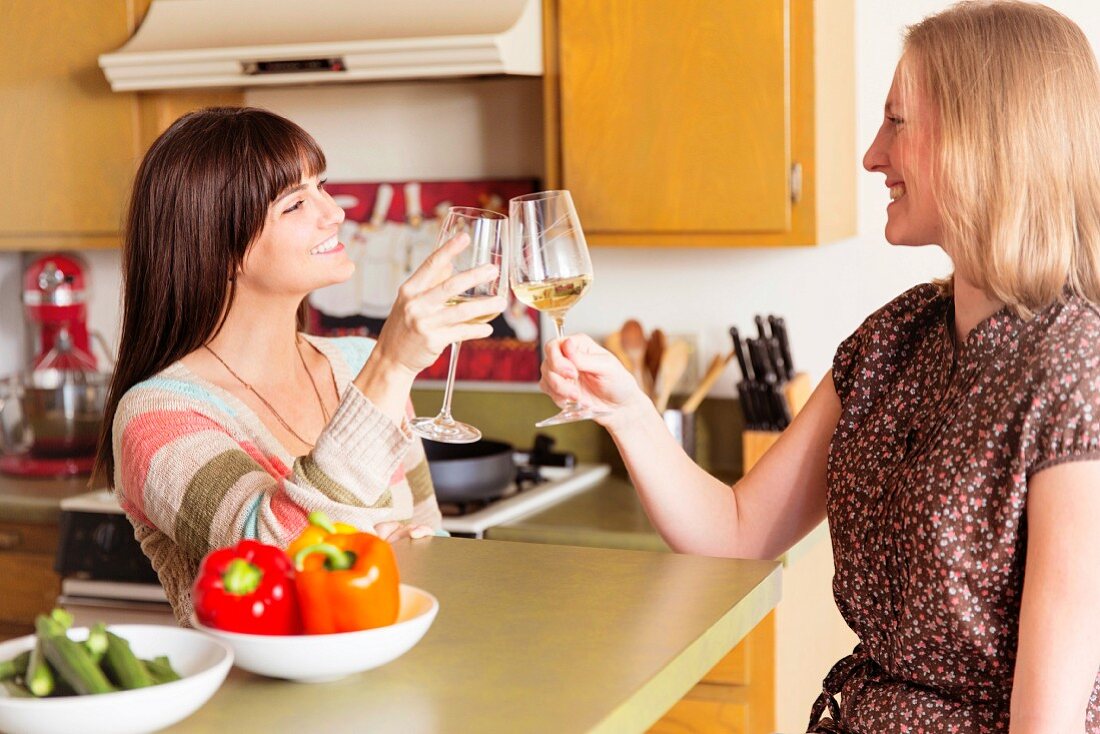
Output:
x,y
955,445
223,420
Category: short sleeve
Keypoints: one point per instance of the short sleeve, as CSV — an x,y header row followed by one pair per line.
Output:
x,y
846,361
1065,411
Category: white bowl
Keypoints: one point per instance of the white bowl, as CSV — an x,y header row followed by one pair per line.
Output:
x,y
201,662
319,658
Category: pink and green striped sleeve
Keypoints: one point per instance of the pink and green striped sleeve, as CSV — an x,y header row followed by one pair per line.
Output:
x,y
186,466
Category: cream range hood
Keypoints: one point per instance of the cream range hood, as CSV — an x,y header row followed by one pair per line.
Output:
x,y
185,44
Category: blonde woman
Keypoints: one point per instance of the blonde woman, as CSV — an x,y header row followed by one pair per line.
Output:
x,y
955,445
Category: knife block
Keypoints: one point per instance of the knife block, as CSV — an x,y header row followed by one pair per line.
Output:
x,y
755,443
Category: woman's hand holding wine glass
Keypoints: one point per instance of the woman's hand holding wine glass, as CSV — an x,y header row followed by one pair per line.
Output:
x,y
551,269
471,302
420,326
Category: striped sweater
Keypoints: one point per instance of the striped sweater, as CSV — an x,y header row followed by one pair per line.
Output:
x,y
196,469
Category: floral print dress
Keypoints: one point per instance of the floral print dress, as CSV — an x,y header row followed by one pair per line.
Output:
x,y
927,495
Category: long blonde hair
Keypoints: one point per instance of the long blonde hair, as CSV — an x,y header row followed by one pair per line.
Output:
x,y
1016,89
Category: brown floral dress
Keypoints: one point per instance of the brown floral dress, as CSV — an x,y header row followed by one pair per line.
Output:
x,y
927,499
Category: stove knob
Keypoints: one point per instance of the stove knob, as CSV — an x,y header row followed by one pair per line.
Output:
x,y
105,536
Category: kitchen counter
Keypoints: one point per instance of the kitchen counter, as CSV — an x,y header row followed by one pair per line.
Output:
x,y
529,638
609,515
36,500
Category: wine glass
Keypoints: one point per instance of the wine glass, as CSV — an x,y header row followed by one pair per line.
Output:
x,y
488,232
550,268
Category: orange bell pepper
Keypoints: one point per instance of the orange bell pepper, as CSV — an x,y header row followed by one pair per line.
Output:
x,y
319,527
346,583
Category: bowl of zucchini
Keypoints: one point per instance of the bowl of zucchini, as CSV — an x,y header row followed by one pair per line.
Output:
x,y
118,679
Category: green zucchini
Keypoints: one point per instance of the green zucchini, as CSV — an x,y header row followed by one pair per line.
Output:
x,y
71,660
39,678
97,641
16,667
161,670
62,617
123,666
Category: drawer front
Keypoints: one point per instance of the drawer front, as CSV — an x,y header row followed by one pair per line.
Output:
x,y
28,586
28,538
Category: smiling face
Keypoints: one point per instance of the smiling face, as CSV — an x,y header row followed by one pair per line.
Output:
x,y
297,250
904,151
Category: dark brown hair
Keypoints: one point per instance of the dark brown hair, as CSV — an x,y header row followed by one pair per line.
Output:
x,y
200,198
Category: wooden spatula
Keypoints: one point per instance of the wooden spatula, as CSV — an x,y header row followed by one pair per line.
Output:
x,y
654,350
673,364
633,339
714,371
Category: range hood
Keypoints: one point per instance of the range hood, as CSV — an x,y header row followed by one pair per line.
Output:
x,y
243,43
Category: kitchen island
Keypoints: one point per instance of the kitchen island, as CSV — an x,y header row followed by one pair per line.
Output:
x,y
529,638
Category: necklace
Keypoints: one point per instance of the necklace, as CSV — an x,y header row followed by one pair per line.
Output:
x,y
268,405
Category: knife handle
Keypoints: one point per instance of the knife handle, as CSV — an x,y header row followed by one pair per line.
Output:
x,y
761,332
761,364
785,347
739,350
776,356
748,409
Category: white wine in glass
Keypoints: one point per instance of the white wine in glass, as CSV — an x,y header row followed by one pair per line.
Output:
x,y
488,232
551,269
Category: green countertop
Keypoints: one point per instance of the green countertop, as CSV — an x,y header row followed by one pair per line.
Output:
x,y
609,515
529,638
36,500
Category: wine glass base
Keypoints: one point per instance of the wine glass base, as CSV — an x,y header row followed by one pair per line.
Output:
x,y
571,415
435,429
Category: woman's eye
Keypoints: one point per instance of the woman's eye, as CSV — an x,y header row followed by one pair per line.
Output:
x,y
895,121
297,205
321,184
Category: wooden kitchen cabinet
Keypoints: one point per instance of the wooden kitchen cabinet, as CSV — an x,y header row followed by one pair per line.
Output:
x,y
710,123
28,583
71,145
737,696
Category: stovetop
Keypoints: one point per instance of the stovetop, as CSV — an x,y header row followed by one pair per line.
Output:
x,y
560,483
469,520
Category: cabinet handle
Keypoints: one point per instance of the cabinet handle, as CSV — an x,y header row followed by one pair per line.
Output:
x,y
796,183
10,539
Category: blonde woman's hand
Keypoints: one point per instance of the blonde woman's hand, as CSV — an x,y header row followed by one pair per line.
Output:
x,y
421,324
578,369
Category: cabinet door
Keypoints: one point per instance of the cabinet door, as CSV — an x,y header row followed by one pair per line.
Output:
x,y
68,142
675,115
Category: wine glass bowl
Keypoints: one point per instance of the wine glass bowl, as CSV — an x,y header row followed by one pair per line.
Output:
x,y
488,232
550,267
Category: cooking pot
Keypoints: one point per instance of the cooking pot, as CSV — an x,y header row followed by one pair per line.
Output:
x,y
52,413
470,472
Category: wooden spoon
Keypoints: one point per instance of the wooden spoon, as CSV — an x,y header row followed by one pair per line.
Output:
x,y
633,340
673,364
654,350
614,344
714,371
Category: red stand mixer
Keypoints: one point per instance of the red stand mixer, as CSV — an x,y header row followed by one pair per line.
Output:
x,y
51,414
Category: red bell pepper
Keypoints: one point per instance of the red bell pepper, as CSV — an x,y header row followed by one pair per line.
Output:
x,y
247,588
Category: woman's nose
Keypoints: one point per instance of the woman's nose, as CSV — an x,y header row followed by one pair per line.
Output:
x,y
332,212
876,153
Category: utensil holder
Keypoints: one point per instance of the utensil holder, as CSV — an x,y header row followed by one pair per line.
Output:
x,y
682,427
754,444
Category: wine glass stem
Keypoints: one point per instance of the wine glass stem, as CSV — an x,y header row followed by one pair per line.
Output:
x,y
559,324
445,413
